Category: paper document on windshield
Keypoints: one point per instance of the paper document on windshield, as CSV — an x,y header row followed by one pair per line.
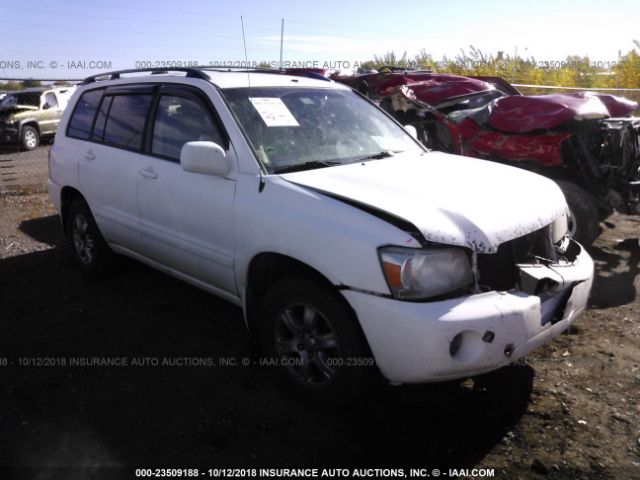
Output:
x,y
274,112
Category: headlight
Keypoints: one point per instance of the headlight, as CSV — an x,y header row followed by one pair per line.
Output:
x,y
414,274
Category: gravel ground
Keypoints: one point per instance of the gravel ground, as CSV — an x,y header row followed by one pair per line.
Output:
x,y
570,410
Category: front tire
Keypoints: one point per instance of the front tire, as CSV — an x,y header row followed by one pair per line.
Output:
x,y
583,213
30,138
310,336
90,250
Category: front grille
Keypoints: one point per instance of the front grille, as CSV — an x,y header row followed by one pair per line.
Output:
x,y
499,271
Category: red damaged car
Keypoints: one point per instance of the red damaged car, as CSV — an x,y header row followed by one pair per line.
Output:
x,y
585,141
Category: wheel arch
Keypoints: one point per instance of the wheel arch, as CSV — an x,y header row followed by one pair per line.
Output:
x,y
266,269
67,196
28,122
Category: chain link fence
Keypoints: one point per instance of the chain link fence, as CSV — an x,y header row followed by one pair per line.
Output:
x,y
23,172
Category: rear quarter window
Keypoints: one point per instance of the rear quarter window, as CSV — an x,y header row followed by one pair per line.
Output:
x,y
83,114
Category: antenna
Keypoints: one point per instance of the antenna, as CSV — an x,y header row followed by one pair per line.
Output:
x,y
281,41
246,59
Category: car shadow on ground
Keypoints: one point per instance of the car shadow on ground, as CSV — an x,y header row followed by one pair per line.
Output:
x,y
45,230
13,148
199,416
616,271
6,149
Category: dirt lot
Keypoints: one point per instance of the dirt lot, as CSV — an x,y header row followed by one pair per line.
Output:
x,y
570,411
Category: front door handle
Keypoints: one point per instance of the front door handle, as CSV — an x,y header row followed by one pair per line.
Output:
x,y
148,173
90,155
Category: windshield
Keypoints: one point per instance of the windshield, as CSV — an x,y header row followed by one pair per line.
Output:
x,y
31,99
302,128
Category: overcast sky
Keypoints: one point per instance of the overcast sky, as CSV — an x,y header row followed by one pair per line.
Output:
x,y
57,36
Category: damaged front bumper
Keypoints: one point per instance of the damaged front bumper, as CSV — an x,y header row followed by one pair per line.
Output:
x,y
8,134
466,336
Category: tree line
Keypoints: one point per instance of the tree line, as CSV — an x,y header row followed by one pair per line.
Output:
x,y
574,71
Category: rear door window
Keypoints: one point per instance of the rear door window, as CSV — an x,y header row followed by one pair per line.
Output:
x,y
124,126
83,115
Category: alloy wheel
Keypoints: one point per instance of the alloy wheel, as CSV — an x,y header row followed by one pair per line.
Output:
x,y
30,139
307,345
82,239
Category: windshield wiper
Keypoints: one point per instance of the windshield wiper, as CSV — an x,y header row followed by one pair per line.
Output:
x,y
298,167
379,155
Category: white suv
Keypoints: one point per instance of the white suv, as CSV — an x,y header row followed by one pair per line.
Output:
x,y
352,250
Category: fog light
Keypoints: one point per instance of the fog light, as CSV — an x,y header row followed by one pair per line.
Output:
x,y
455,345
467,346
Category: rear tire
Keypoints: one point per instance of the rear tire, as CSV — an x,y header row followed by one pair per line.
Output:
x,y
90,249
30,138
583,213
310,338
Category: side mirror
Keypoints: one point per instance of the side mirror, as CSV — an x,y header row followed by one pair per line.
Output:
x,y
204,157
411,130
46,106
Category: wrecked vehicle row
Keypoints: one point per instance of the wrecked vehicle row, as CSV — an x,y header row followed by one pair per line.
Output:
x,y
584,141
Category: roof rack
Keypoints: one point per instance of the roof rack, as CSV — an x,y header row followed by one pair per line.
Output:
x,y
225,68
192,72
281,71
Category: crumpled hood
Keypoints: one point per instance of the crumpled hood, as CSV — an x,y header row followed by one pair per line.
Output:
x,y
451,199
519,114
7,111
513,113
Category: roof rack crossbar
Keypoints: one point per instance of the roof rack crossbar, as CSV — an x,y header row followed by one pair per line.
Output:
x,y
225,68
192,72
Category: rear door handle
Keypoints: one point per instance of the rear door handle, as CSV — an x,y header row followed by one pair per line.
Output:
x,y
148,173
90,155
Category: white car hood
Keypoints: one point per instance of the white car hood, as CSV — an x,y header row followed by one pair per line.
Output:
x,y
451,199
